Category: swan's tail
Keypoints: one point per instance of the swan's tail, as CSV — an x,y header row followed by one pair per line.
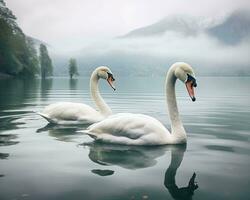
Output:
x,y
45,117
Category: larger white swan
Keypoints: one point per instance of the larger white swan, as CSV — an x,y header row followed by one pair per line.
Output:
x,y
79,113
139,129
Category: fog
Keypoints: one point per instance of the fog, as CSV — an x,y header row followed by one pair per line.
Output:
x,y
69,25
200,48
138,38
152,56
216,45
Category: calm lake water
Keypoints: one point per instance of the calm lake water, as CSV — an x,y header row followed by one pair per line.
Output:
x,y
53,162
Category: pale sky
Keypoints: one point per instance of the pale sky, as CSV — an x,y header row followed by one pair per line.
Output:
x,y
72,23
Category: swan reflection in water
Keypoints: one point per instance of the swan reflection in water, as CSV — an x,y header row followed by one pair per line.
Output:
x,y
65,133
128,157
187,192
136,157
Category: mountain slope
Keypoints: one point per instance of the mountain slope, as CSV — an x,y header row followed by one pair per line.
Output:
x,y
17,54
234,29
231,30
182,24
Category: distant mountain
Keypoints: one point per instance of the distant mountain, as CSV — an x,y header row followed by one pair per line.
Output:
x,y
148,51
234,29
183,24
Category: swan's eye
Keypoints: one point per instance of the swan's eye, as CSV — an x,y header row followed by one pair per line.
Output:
x,y
110,76
192,79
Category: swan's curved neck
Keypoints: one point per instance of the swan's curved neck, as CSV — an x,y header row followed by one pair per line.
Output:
x,y
95,94
177,129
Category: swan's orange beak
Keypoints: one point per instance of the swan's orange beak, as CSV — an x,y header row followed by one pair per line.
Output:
x,y
111,80
190,84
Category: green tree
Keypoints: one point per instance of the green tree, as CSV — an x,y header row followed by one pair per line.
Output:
x,y
33,57
45,62
17,54
72,67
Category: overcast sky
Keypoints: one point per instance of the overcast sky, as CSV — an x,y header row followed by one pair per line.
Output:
x,y
70,23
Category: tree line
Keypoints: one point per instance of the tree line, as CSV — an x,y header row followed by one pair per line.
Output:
x,y
18,52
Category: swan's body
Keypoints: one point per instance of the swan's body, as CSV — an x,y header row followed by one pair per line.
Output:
x,y
138,129
71,113
79,113
130,129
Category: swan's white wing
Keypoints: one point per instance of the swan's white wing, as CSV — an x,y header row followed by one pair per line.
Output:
x,y
130,129
71,113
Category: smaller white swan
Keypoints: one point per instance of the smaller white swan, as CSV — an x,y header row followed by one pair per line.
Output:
x,y
78,113
138,129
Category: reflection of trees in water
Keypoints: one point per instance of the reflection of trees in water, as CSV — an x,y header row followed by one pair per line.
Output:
x,y
46,85
73,84
10,122
135,157
4,155
14,95
14,92
7,139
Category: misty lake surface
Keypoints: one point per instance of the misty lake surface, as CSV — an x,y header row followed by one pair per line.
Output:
x,y
57,162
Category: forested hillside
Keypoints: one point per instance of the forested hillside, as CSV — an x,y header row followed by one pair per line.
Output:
x,y
18,56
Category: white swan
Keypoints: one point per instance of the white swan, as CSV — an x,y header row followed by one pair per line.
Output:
x,y
78,113
138,129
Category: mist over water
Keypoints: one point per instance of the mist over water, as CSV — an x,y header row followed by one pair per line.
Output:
x,y
208,56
